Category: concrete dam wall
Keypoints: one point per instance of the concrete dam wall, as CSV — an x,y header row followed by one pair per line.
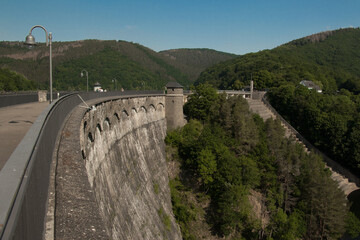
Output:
x,y
117,186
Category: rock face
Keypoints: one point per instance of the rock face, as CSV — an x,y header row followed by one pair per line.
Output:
x,y
122,144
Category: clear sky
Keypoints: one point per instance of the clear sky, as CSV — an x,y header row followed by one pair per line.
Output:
x,y
235,26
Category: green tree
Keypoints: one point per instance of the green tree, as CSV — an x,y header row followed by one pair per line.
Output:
x,y
352,225
326,205
201,103
206,165
233,210
284,227
11,81
243,129
188,147
250,172
237,85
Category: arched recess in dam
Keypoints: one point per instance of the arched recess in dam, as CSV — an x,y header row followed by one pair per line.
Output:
x,y
354,198
123,162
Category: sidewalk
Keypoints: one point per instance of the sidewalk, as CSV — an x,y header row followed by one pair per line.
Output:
x,y
15,121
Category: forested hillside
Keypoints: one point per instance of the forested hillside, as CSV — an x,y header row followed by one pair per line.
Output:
x,y
330,121
240,178
11,81
132,65
194,61
331,59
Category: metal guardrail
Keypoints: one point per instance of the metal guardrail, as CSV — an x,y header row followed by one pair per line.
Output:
x,y
234,92
331,163
24,179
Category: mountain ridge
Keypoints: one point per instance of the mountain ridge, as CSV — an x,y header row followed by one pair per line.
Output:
x,y
156,68
330,58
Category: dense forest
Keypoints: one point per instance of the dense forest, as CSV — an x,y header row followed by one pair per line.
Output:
x,y
12,82
231,161
194,61
330,122
330,59
107,65
132,65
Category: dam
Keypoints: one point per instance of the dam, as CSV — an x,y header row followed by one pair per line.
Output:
x,y
93,167
122,162
103,177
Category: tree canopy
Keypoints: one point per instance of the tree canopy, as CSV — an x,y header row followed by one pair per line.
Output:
x,y
11,81
330,122
228,153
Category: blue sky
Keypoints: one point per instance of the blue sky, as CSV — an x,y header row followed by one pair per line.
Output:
x,y
239,27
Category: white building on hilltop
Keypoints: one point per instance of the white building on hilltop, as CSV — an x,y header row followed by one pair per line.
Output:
x,y
311,85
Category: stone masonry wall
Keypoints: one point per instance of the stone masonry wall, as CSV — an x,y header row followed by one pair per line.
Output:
x,y
122,144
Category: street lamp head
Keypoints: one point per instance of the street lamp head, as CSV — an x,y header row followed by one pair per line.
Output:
x,y
82,73
30,40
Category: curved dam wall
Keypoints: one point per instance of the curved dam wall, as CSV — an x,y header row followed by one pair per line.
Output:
x,y
124,155
45,189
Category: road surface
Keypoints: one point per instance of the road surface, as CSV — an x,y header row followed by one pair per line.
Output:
x,y
15,121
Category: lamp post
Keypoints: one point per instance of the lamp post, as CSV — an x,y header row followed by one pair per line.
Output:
x,y
87,78
30,40
114,81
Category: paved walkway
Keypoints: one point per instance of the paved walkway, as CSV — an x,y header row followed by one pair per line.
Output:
x,y
15,121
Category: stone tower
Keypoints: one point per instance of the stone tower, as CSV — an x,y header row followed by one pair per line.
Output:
x,y
174,105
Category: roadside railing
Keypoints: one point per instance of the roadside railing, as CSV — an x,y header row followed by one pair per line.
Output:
x,y
10,99
24,179
17,98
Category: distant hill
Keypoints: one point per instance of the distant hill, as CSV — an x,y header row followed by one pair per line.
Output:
x,y
194,61
11,81
330,121
132,65
331,59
